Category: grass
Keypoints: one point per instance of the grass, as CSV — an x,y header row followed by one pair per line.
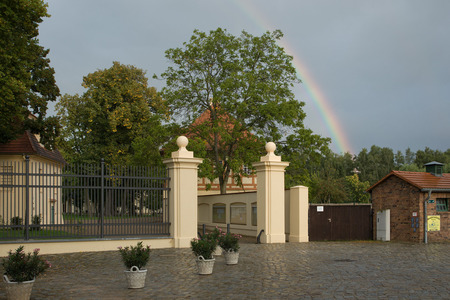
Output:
x,y
10,234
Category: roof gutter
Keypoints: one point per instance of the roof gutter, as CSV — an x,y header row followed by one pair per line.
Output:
x,y
435,190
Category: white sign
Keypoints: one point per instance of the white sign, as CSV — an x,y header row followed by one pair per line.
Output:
x,y
319,208
414,214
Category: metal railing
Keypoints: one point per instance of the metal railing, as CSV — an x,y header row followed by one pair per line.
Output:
x,y
40,200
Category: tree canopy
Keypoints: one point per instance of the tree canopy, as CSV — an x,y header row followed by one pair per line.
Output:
x,y
26,78
241,86
118,118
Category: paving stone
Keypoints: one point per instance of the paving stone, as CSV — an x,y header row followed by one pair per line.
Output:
x,y
315,270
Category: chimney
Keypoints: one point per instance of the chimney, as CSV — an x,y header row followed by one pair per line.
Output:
x,y
435,168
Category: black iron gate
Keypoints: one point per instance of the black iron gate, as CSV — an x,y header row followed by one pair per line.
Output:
x,y
40,200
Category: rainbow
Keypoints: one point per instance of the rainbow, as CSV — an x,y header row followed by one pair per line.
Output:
x,y
319,99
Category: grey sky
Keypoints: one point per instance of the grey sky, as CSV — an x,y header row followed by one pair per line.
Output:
x,y
383,66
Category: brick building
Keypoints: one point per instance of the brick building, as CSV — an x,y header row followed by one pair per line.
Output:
x,y
412,198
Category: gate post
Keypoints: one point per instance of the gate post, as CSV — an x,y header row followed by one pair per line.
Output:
x,y
183,168
270,196
298,214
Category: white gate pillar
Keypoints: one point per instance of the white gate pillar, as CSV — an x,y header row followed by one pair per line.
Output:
x,y
183,168
270,196
298,213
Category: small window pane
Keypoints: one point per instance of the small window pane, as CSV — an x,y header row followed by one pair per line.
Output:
x,y
441,204
219,214
238,213
254,215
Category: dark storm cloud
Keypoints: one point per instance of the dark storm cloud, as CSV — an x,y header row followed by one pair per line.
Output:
x,y
383,65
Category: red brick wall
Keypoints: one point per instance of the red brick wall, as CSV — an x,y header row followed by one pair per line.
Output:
x,y
403,200
444,233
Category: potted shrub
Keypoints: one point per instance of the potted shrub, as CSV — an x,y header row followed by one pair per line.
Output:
x,y
214,235
135,258
21,271
203,249
229,242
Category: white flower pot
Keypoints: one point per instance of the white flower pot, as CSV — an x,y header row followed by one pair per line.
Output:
x,y
136,277
231,257
18,290
218,251
205,266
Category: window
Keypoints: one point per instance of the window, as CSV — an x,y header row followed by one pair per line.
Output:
x,y
254,215
442,204
219,213
247,170
238,213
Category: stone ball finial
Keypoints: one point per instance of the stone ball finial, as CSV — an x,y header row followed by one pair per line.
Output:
x,y
270,148
182,142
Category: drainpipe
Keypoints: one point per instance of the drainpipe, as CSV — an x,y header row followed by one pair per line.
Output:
x,y
425,216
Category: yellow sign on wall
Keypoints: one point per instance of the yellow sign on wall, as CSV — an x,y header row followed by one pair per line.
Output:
x,y
434,223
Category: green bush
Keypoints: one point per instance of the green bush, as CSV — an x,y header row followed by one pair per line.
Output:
x,y
204,247
21,267
16,221
135,256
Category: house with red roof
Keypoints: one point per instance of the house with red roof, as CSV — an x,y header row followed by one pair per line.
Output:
x,y
417,204
29,172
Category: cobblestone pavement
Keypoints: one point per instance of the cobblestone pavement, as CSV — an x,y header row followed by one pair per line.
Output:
x,y
315,270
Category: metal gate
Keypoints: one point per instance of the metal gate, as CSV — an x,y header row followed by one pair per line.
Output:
x,y
331,222
41,200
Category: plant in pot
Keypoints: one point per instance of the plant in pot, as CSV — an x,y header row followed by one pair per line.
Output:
x,y
21,271
135,258
229,242
203,249
214,235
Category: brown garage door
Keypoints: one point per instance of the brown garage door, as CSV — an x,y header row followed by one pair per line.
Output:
x,y
330,222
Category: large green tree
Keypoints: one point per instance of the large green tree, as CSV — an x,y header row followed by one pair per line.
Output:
x,y
242,86
26,78
118,118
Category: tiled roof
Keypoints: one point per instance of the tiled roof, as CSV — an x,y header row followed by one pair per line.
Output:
x,y
27,144
421,180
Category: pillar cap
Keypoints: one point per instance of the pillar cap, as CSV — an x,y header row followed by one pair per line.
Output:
x,y
182,142
270,148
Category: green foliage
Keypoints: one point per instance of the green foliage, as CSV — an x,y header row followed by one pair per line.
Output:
x,y
229,242
118,118
428,155
21,267
16,221
135,255
374,164
204,247
333,178
36,222
26,78
304,151
356,190
242,86
326,189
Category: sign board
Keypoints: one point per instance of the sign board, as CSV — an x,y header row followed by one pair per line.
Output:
x,y
319,208
431,201
414,214
434,223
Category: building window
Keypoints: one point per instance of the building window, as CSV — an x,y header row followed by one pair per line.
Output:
x,y
254,215
442,204
247,170
219,213
238,213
